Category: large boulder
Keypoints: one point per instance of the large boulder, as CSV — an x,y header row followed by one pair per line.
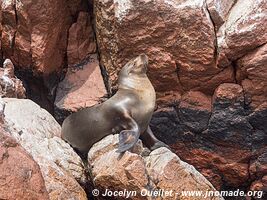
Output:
x,y
20,175
39,134
178,37
161,170
83,86
244,30
205,134
35,34
252,73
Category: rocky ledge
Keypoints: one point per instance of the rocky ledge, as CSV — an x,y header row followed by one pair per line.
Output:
x,y
53,166
207,63
143,172
37,164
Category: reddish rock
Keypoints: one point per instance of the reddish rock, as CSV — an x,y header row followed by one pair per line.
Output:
x,y
230,131
8,24
228,124
258,167
208,85
228,92
10,85
161,169
82,87
252,73
177,36
244,30
37,132
219,10
81,40
218,165
260,185
206,135
194,111
20,175
168,99
35,34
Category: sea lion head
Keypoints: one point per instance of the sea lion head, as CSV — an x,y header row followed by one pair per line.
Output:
x,y
135,67
133,72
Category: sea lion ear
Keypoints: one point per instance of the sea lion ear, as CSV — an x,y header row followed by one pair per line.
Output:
x,y
127,139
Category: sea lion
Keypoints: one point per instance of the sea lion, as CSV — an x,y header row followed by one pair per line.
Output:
x,y
128,113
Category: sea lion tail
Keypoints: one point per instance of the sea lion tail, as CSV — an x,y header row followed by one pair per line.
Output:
x,y
127,139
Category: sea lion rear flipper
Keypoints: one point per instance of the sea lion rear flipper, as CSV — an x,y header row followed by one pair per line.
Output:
x,y
150,140
127,139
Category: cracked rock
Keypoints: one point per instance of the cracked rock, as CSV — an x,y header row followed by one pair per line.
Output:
x,y
10,85
38,133
161,169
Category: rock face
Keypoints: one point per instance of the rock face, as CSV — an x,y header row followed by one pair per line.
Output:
x,y
244,30
208,66
194,111
82,87
218,10
11,86
81,40
34,35
252,72
161,169
20,175
226,128
183,55
42,39
37,132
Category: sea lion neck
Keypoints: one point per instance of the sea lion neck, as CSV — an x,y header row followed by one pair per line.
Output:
x,y
134,83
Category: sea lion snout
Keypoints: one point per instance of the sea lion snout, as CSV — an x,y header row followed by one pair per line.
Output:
x,y
144,57
140,64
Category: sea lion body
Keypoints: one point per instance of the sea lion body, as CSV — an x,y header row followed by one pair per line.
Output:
x,y
128,112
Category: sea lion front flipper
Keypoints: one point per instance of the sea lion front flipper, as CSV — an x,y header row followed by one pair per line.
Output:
x,y
128,138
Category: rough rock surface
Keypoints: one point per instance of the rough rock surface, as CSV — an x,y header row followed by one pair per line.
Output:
x,y
38,133
177,36
245,29
81,40
252,73
10,85
258,166
194,111
195,47
20,175
34,35
161,169
228,128
218,10
82,87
